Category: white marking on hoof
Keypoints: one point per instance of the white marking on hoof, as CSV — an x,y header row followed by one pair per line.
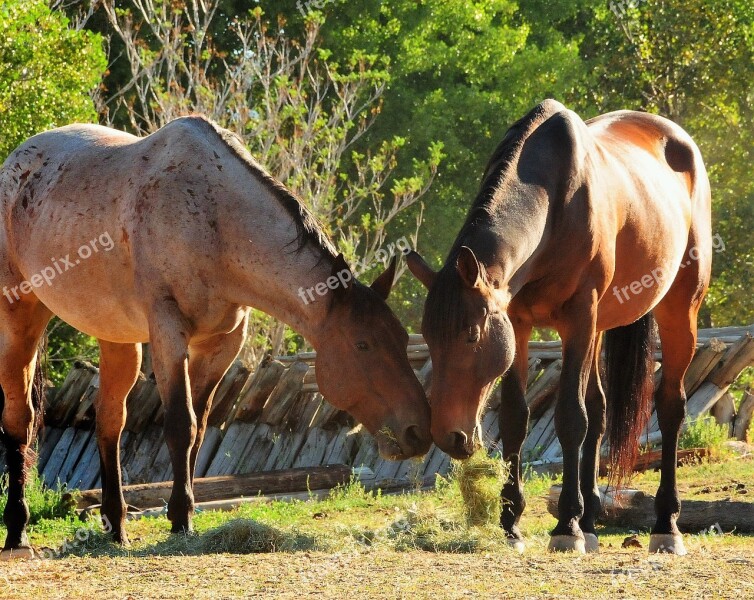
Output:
x,y
23,553
517,545
668,543
591,543
567,543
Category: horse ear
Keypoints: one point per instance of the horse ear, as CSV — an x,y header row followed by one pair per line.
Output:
x,y
468,268
342,271
384,283
420,269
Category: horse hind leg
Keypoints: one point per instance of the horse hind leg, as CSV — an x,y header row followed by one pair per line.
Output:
x,y
208,364
119,369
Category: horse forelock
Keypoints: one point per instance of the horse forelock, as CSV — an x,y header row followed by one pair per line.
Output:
x,y
308,228
444,313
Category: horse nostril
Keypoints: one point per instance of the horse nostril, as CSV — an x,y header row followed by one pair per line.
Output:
x,y
458,440
414,439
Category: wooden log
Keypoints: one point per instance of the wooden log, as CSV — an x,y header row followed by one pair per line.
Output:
x,y
541,391
78,443
724,412
257,450
284,394
367,452
284,451
425,374
84,416
535,369
257,392
50,438
142,405
705,359
87,469
67,400
739,356
212,438
340,449
231,448
57,458
326,413
313,450
226,396
162,468
536,440
637,511
232,486
140,453
744,417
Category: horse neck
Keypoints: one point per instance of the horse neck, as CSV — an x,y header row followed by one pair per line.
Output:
x,y
506,234
267,270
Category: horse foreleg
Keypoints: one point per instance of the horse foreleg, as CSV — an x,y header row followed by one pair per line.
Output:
x,y
514,421
169,337
578,333
18,356
119,369
208,363
590,457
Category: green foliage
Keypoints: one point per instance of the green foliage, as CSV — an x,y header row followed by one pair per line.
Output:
x,y
703,433
43,503
65,345
47,71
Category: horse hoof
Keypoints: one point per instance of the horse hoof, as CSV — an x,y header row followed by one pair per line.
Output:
x,y
21,553
567,543
667,543
591,543
517,545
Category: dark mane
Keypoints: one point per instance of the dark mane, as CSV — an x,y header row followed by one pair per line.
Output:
x,y
308,229
444,314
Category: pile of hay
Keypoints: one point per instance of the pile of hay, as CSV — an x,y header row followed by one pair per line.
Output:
x,y
242,536
480,479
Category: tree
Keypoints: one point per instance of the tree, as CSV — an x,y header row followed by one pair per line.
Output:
x,y
299,110
48,71
692,61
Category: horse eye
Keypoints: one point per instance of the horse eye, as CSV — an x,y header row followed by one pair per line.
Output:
x,y
474,335
362,346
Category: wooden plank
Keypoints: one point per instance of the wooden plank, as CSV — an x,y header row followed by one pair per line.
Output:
x,y
739,356
212,438
705,359
162,468
82,477
228,450
50,439
258,390
340,449
538,433
744,417
313,450
288,447
539,396
78,443
66,404
57,458
724,412
143,447
284,394
325,415
226,397
142,405
258,448
233,486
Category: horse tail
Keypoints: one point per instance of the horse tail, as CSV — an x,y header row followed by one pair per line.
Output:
x,y
629,366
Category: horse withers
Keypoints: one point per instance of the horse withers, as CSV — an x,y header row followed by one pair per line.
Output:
x,y
583,227
169,239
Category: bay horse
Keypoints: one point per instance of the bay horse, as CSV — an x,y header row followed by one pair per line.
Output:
x,y
583,227
178,234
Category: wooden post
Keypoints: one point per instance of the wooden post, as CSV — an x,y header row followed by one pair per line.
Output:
x,y
743,418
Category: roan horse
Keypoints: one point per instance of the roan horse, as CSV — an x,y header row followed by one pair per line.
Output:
x,y
197,232
585,228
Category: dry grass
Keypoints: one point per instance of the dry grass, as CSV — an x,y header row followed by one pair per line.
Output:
x,y
480,479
